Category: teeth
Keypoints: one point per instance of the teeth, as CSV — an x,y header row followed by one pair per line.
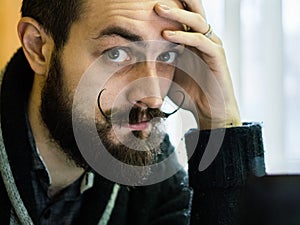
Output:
x,y
142,116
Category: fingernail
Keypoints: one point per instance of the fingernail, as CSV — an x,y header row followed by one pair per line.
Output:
x,y
170,33
164,7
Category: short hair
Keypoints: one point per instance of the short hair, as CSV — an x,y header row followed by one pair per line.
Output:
x,y
55,16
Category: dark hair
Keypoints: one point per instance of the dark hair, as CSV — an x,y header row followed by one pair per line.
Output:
x,y
55,16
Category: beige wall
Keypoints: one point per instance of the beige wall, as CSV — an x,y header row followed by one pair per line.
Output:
x,y
9,16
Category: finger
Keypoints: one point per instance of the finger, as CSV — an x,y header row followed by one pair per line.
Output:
x,y
196,40
194,6
194,20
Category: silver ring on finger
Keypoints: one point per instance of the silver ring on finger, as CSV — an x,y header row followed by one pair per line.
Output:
x,y
209,32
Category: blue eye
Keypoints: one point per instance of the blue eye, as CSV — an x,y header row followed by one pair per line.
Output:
x,y
118,55
167,57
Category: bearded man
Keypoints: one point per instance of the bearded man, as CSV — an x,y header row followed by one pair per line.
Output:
x,y
82,137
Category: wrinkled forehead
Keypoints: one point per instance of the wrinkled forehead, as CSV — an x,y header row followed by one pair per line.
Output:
x,y
135,4
135,9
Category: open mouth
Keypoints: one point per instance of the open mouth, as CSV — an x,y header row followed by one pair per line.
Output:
x,y
139,121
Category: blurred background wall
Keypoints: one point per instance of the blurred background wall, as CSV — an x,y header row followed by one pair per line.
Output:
x,y
262,41
9,16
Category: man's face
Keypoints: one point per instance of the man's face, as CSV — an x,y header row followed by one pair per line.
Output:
x,y
120,34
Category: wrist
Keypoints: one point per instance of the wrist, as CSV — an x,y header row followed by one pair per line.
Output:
x,y
209,123
213,124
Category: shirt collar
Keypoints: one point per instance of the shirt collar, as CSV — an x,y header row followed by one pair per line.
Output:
x,y
38,164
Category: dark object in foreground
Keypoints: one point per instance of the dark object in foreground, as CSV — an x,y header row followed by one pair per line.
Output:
x,y
272,200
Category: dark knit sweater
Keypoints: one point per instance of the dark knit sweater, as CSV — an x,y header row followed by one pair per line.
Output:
x,y
216,190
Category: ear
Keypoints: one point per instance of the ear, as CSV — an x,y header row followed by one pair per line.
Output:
x,y
36,43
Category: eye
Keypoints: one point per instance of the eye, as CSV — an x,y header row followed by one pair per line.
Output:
x,y
117,55
167,57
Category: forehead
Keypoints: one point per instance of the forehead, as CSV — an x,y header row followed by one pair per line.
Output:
x,y
133,14
144,7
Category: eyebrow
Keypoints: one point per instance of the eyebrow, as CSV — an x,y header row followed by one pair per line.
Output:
x,y
126,34
120,31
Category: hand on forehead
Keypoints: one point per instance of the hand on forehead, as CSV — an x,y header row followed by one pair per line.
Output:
x,y
138,15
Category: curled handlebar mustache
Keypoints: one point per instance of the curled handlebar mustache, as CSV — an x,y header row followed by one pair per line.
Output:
x,y
164,114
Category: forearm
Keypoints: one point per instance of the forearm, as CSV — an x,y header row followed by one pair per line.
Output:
x,y
217,188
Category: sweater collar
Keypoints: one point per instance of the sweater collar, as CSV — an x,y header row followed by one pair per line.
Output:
x,y
15,89
16,85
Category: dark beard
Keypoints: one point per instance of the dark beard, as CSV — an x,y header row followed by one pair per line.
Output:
x,y
56,111
56,114
126,152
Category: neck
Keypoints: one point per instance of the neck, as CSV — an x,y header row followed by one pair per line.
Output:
x,y
62,171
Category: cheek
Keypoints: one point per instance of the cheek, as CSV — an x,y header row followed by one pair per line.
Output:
x,y
166,72
78,62
73,72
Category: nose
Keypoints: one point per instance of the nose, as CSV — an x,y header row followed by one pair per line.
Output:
x,y
149,102
148,89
